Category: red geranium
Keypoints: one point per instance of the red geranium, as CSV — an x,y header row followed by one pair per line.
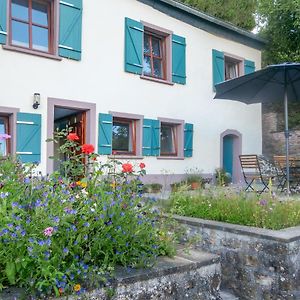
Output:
x,y
72,137
142,165
127,168
87,148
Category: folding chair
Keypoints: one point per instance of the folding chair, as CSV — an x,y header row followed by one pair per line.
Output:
x,y
252,172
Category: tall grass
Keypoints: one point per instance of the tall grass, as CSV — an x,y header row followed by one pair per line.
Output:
x,y
262,211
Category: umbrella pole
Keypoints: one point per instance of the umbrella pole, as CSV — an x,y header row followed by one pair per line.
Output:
x,y
286,132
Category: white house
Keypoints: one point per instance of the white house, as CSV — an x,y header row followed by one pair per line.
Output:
x,y
133,77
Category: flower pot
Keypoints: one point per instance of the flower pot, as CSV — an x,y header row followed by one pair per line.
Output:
x,y
195,185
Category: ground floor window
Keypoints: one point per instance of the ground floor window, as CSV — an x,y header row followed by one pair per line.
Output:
x,y
124,136
4,136
168,140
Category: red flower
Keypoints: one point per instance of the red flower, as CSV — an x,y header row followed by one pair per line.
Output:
x,y
87,148
127,168
142,165
72,137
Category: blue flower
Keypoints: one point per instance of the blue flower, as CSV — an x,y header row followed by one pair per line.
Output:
x,y
122,214
29,249
66,250
27,180
86,224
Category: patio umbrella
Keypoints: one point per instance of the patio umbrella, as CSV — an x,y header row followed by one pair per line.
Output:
x,y
274,83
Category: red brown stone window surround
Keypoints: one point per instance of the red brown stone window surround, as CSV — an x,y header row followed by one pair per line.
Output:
x,y
8,120
157,54
234,66
33,27
127,135
171,138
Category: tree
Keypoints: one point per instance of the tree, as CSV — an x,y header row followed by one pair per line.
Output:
x,y
238,12
280,26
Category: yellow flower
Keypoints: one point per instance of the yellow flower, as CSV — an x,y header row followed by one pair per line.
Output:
x,y
84,184
77,287
113,185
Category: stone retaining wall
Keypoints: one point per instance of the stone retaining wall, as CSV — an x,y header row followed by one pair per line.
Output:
x,y
256,263
192,276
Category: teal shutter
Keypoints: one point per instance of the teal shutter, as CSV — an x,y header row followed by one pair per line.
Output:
x,y
249,66
70,28
155,138
151,137
134,35
188,139
178,59
29,137
105,134
3,13
147,141
218,64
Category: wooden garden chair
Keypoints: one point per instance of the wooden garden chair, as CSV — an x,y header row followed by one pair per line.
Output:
x,y
280,163
252,173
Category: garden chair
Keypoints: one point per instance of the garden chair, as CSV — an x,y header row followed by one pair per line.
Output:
x,y
252,173
280,164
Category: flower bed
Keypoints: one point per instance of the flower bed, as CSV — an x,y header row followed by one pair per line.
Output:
x,y
223,205
65,233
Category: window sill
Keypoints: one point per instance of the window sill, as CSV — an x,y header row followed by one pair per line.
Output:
x,y
125,156
31,52
156,80
171,157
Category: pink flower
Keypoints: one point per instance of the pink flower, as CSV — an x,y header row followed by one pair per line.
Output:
x,y
72,137
87,148
142,165
4,136
48,231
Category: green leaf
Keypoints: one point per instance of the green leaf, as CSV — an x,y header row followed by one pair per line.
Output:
x,y
10,271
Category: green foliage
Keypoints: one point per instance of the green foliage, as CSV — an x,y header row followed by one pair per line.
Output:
x,y
59,236
152,188
237,12
281,23
230,207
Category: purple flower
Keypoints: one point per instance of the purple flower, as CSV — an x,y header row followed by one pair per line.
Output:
x,y
122,214
66,250
3,195
263,202
86,224
27,180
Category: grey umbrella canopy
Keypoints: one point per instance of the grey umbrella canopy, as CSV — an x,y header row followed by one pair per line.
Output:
x,y
275,83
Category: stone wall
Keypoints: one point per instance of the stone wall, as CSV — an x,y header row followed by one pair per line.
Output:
x,y
256,263
273,134
192,276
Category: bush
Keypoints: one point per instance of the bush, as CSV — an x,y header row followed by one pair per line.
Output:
x,y
65,232
238,208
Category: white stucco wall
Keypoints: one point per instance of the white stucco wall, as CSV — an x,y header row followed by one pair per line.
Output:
x,y
100,78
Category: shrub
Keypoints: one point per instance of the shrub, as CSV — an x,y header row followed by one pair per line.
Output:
x,y
65,232
238,208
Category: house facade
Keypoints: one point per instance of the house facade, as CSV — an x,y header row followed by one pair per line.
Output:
x,y
135,78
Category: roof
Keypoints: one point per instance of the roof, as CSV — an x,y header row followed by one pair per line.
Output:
x,y
206,22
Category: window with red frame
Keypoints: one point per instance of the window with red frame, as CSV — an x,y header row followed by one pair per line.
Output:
x,y
4,142
31,24
168,140
154,56
124,136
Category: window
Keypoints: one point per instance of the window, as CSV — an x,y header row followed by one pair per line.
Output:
x,y
124,136
171,138
4,140
154,56
168,140
232,68
31,24
155,53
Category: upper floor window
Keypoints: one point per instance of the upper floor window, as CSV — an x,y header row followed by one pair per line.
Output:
x,y
154,56
154,53
232,68
4,136
226,66
31,24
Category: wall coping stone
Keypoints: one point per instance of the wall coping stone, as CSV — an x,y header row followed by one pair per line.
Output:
x,y
286,235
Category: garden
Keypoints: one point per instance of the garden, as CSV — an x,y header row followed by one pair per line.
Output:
x,y
65,233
